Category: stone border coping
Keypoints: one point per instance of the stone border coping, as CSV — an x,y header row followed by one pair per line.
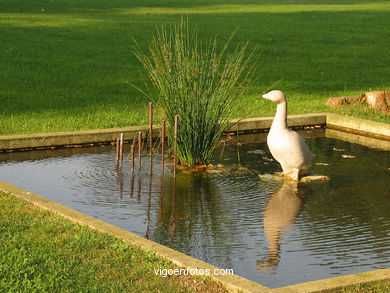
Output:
x,y
358,126
234,283
108,136
337,282
358,139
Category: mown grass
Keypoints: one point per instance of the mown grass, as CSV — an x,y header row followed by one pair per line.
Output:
x,y
374,287
43,252
67,65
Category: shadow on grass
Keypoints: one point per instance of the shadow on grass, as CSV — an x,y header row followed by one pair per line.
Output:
x,y
91,5
67,59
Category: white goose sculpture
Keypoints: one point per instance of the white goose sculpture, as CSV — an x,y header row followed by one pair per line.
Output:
x,y
287,146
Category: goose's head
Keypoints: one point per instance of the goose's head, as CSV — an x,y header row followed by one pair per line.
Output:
x,y
275,96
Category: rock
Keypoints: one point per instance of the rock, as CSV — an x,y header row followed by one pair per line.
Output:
x,y
212,171
338,150
307,179
201,167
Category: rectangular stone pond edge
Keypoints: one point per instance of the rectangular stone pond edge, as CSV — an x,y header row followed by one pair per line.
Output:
x,y
372,134
27,142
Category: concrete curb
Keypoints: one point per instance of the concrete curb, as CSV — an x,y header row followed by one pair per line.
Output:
x,y
71,138
358,126
337,282
26,142
107,136
358,139
263,123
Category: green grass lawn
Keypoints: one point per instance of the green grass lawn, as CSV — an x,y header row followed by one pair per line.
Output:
x,y
67,64
43,252
375,287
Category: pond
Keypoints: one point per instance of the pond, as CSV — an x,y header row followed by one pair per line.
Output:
x,y
268,231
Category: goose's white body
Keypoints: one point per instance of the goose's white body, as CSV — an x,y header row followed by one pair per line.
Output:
x,y
287,146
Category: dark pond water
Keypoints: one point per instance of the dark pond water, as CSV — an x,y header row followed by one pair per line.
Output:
x,y
265,230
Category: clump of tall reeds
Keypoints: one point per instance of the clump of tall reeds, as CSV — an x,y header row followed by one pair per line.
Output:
x,y
199,82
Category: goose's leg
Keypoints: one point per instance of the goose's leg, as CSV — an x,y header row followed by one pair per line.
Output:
x,y
292,174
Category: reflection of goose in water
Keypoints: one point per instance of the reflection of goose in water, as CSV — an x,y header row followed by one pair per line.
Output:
x,y
287,146
280,212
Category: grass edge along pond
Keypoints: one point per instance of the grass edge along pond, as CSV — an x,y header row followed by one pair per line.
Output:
x,y
42,251
67,66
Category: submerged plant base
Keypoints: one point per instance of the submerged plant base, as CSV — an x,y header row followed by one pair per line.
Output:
x,y
213,169
210,168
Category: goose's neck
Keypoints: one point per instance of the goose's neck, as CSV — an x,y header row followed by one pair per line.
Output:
x,y
280,120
